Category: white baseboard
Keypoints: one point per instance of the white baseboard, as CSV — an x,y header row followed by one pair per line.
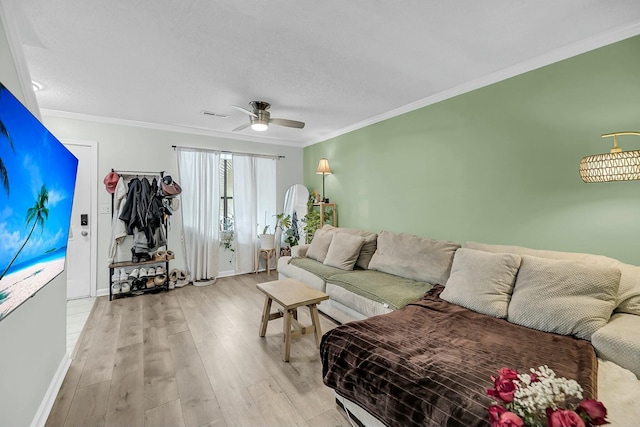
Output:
x,y
102,292
49,399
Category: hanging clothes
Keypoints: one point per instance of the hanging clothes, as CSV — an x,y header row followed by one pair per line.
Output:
x,y
118,227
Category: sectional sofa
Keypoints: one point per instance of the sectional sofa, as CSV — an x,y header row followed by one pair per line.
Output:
x,y
590,297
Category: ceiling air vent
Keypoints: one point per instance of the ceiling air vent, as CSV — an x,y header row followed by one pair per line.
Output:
x,y
212,114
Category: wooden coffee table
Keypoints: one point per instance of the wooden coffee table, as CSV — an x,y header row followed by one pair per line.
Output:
x,y
291,294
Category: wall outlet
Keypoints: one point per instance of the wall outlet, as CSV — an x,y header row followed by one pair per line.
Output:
x,y
105,209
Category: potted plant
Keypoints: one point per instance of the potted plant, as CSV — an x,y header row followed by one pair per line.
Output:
x,y
312,220
227,235
267,240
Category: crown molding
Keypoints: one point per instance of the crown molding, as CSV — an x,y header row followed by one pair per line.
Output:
x,y
8,15
163,127
551,57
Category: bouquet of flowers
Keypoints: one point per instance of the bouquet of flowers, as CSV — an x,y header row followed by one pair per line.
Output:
x,y
540,399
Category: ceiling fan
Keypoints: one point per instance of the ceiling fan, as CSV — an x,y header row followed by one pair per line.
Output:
x,y
260,117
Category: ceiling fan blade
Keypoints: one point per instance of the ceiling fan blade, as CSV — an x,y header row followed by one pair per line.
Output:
x,y
244,110
288,123
244,126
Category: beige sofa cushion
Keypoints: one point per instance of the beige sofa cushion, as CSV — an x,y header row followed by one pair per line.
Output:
x,y
368,248
563,296
619,341
628,298
482,281
319,245
413,257
343,251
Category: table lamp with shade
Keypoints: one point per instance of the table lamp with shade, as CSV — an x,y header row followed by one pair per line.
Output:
x,y
323,169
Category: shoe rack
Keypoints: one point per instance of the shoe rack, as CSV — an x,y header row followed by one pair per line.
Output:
x,y
135,284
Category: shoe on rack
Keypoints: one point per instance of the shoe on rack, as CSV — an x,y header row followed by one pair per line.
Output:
x,y
160,279
151,283
115,289
151,272
159,271
123,275
160,256
126,287
143,273
143,256
115,277
135,273
170,255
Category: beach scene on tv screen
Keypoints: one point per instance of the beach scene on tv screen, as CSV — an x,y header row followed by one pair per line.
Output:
x,y
37,180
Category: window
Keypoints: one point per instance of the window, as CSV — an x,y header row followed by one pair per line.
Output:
x,y
226,195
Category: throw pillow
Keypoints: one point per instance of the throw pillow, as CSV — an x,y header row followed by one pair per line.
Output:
x,y
482,281
368,248
319,245
562,296
344,250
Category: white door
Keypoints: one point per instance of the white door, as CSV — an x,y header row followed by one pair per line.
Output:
x,y
81,276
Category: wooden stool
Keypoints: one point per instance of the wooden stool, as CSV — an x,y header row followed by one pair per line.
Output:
x,y
268,254
291,294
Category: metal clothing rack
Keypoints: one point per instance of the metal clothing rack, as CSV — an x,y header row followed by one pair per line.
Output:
x,y
114,265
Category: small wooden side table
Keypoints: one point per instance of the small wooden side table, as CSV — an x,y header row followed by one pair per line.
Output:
x,y
291,294
268,253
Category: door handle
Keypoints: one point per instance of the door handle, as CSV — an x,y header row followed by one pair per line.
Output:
x,y
85,233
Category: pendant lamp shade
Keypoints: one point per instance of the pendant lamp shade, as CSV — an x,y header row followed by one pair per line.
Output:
x,y
617,165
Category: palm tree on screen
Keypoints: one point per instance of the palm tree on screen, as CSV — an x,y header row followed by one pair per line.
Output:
x,y
4,134
37,214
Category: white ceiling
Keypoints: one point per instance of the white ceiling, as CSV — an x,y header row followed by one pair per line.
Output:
x,y
336,65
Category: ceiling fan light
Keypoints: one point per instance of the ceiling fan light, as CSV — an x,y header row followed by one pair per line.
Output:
x,y
259,126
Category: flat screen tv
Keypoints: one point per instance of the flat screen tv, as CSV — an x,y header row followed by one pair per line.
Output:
x,y
37,181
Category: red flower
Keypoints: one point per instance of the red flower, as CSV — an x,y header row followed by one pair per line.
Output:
x,y
495,411
503,390
507,374
509,419
594,410
563,418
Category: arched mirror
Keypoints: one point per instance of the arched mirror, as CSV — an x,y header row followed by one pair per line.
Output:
x,y
295,205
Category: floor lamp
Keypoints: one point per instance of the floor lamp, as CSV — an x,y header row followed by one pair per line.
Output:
x,y
323,169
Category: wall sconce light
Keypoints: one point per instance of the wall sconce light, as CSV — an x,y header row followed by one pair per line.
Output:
x,y
323,169
617,165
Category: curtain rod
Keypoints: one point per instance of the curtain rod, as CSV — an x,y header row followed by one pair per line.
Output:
x,y
268,156
161,173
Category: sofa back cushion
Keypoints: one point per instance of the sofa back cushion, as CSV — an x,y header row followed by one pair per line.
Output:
x,y
368,248
343,251
628,298
563,296
413,257
482,281
319,245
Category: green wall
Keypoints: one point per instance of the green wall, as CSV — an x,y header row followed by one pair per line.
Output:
x,y
500,164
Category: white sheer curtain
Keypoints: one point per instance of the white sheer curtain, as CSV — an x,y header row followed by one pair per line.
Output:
x,y
254,198
198,176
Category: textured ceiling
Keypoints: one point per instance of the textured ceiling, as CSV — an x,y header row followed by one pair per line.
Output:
x,y
332,64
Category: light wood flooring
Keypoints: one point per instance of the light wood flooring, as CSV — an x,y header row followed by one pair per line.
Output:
x,y
192,357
